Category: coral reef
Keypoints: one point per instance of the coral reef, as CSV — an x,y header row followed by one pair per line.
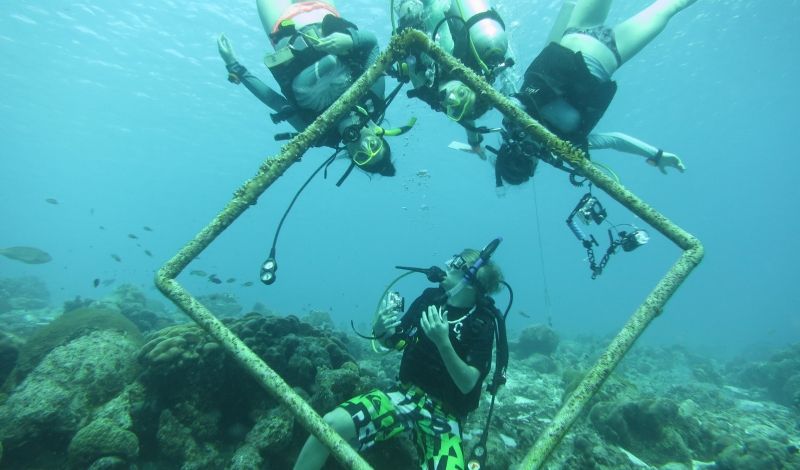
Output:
x,y
223,305
220,415
9,352
59,395
24,305
67,327
96,398
23,293
102,438
647,428
758,454
536,339
320,319
778,377
147,314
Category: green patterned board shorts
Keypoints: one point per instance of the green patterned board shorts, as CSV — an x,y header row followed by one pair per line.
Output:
x,y
380,416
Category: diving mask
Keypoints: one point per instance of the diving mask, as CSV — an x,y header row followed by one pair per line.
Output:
x,y
456,263
458,100
369,148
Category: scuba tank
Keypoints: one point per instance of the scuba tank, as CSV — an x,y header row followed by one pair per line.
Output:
x,y
485,30
424,15
273,13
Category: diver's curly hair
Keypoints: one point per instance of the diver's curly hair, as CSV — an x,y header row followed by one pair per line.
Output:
x,y
489,275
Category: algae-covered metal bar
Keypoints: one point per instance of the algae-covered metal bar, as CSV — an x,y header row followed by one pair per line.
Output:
x,y
244,197
272,168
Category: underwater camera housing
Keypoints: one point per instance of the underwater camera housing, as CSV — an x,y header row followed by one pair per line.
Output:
x,y
590,210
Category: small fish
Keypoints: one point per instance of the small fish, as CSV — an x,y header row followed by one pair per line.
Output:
x,y
102,228
230,280
198,272
247,284
132,236
26,254
51,200
116,258
96,282
147,252
524,314
213,278
108,282
91,211
147,229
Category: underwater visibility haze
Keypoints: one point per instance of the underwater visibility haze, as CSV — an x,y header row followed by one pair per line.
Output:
x,y
121,138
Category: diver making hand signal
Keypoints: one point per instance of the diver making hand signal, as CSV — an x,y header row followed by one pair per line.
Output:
x,y
446,337
434,324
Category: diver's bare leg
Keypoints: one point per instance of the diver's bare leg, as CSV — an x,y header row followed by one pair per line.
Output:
x,y
314,453
636,32
589,13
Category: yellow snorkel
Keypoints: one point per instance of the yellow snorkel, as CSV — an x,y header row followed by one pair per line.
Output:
x,y
395,131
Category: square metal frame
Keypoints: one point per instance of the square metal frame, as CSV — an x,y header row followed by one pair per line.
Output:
x,y
272,168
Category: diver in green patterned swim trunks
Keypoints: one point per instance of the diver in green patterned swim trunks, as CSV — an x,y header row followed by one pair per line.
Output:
x,y
446,336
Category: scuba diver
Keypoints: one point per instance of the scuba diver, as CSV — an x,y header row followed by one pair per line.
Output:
x,y
472,32
446,337
519,170
568,86
317,56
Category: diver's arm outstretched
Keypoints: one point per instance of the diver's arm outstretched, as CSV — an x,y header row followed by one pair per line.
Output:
x,y
627,144
239,74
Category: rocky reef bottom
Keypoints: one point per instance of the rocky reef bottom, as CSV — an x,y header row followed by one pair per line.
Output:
x,y
119,384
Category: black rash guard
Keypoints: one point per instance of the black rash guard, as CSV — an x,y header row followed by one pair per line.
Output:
x,y
472,338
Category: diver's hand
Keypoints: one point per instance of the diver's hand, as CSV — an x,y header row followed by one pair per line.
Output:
x,y
225,49
434,324
335,43
386,323
668,160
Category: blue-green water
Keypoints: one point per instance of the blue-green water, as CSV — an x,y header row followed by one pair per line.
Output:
x,y
122,112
